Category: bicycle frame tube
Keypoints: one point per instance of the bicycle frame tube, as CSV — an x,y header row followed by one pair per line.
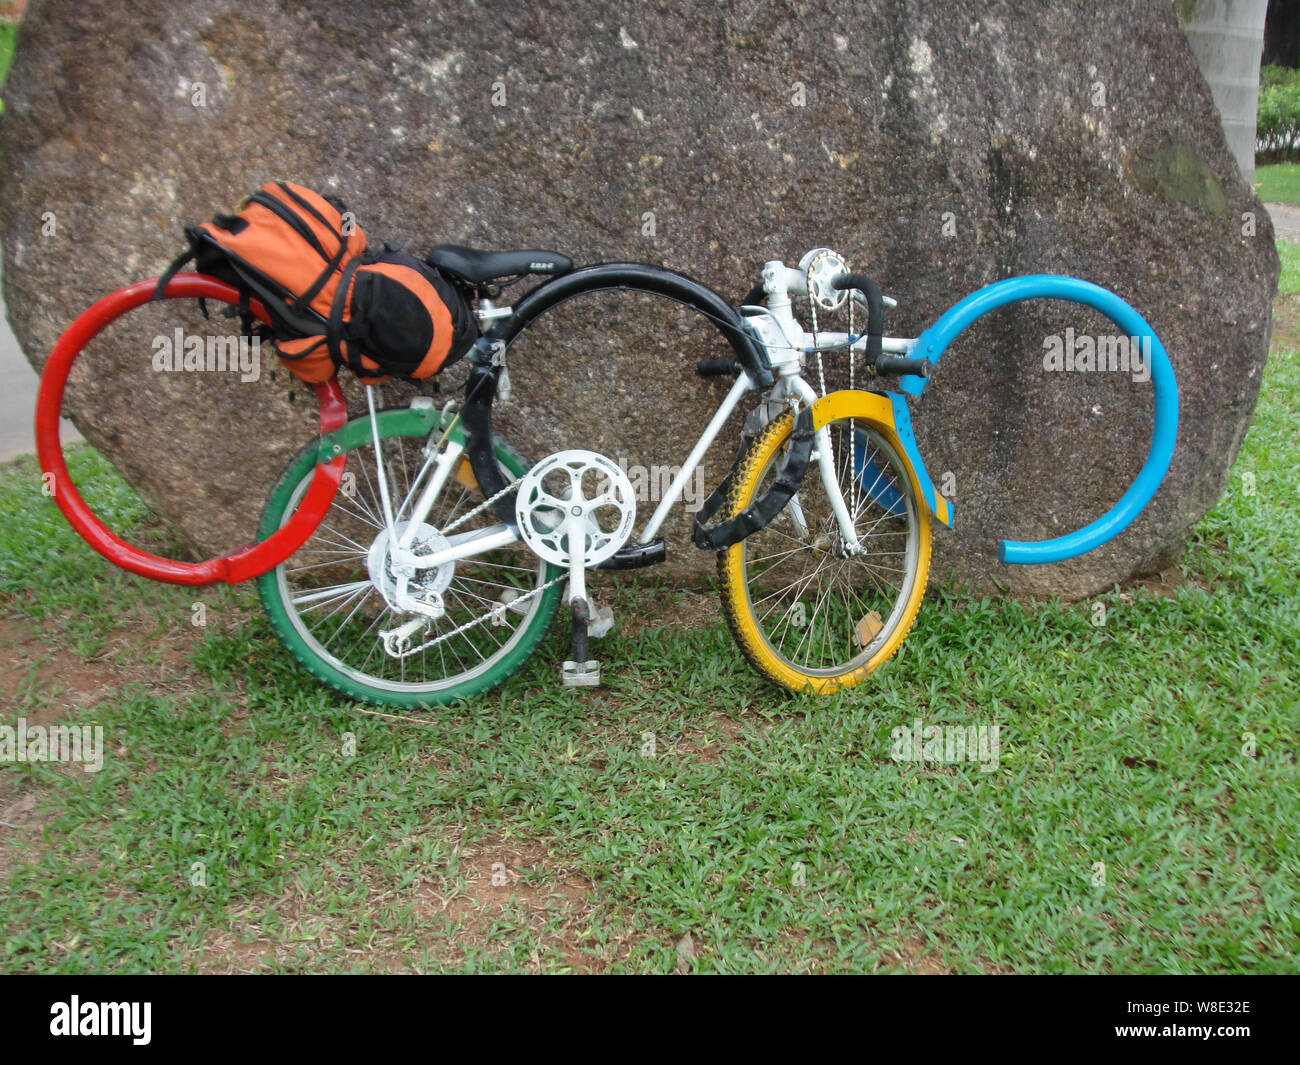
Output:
x,y
480,389
467,545
743,384
401,554
500,535
442,468
437,468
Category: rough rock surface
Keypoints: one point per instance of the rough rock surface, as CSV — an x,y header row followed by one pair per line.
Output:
x,y
939,147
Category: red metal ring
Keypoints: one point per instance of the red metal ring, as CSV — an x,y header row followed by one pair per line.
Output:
x,y
241,565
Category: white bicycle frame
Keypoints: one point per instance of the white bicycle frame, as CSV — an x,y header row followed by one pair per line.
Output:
x,y
786,343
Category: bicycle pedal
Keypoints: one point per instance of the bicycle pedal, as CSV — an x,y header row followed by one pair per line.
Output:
x,y
585,676
602,620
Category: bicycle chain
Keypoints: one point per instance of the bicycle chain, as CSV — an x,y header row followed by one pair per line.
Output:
x,y
480,620
482,506
812,306
853,359
821,372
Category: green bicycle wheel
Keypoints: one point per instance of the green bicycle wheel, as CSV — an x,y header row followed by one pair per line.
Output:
x,y
330,602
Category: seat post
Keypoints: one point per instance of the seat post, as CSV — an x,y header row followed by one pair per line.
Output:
x,y
487,311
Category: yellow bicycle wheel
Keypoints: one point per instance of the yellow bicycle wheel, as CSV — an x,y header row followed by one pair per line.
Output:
x,y
807,610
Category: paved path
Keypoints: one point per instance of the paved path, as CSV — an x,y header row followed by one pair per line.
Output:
x,y
1286,221
18,383
17,393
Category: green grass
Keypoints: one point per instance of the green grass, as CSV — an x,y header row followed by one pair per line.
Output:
x,y
1278,183
8,37
1128,827
1288,284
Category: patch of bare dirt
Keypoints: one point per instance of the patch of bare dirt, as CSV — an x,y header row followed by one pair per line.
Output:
x,y
1165,583
679,608
705,743
513,878
53,682
504,887
916,957
245,947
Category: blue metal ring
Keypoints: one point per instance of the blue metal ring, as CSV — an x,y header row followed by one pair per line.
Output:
x,y
934,341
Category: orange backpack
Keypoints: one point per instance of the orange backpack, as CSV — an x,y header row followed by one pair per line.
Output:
x,y
331,302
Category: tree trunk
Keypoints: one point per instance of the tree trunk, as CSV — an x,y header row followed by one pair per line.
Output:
x,y
1227,37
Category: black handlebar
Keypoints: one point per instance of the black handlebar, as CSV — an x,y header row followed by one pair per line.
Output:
x,y
876,359
719,368
895,364
875,311
876,327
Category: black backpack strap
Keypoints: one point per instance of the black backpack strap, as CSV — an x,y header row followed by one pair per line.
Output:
x,y
170,272
334,327
286,215
755,516
304,301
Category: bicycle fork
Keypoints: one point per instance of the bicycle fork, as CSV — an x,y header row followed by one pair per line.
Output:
x,y
824,455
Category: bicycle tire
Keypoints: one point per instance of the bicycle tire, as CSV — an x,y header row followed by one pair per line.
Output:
x,y
378,687
887,501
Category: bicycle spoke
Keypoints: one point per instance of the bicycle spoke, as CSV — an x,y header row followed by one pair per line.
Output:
x,y
335,608
814,598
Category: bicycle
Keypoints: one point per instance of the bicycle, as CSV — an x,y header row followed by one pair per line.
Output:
x,y
437,573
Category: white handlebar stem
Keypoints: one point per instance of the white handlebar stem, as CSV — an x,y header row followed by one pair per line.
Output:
x,y
781,281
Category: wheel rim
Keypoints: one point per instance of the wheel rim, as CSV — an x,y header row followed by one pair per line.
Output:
x,y
338,613
809,600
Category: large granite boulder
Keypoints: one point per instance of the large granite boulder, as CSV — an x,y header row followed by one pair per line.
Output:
x,y
938,147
